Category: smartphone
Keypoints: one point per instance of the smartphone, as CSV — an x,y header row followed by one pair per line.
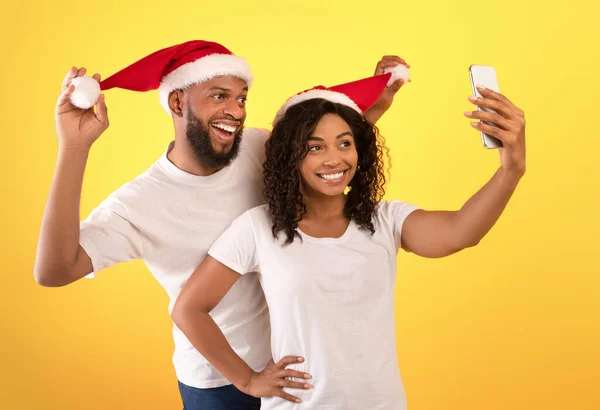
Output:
x,y
486,76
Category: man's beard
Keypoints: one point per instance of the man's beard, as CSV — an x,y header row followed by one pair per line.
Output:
x,y
199,138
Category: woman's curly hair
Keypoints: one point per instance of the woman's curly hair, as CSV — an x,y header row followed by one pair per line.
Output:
x,y
288,146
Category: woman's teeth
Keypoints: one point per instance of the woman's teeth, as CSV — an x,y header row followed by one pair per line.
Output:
x,y
332,177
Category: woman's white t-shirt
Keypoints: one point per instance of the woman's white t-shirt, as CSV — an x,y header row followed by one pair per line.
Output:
x,y
331,300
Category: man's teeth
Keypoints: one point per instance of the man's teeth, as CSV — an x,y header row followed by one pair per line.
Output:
x,y
332,177
224,127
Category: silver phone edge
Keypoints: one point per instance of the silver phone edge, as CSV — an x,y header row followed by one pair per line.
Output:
x,y
484,136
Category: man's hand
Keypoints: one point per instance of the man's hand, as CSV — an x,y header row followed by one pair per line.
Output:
x,y
274,377
76,126
509,127
387,97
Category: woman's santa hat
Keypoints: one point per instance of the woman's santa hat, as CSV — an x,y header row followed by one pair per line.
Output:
x,y
169,69
359,95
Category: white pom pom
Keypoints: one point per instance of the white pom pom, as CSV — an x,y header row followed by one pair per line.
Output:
x,y
86,93
399,71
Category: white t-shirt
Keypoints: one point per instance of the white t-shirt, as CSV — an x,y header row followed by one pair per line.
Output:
x,y
331,300
169,219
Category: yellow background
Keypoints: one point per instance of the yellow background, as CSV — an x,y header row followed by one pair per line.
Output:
x,y
510,324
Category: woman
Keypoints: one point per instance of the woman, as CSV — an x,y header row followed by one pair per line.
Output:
x,y
325,250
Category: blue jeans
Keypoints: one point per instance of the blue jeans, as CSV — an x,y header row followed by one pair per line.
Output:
x,y
218,398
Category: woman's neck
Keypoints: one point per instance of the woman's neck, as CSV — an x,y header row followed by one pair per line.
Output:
x,y
323,207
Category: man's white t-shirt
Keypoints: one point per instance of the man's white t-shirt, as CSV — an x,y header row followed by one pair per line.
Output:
x,y
331,300
169,219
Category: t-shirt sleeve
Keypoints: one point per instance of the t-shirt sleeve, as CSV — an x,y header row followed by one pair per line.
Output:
x,y
396,213
108,236
236,247
255,141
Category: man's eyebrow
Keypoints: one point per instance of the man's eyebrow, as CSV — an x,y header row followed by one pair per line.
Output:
x,y
224,89
217,87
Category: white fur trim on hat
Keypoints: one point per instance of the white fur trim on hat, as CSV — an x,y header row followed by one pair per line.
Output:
x,y
203,69
329,95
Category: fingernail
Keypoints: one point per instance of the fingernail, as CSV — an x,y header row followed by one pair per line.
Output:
x,y
474,124
307,376
307,386
481,87
301,359
298,401
468,114
472,99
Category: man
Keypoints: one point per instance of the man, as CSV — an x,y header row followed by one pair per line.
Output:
x,y
170,215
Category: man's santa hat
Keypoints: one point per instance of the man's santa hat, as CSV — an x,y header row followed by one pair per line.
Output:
x,y
359,95
169,69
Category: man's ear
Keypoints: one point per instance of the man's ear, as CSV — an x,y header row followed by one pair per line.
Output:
x,y
176,102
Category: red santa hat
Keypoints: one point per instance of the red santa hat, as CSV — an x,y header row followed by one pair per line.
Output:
x,y
359,95
171,68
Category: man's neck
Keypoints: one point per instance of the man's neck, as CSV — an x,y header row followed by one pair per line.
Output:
x,y
182,156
